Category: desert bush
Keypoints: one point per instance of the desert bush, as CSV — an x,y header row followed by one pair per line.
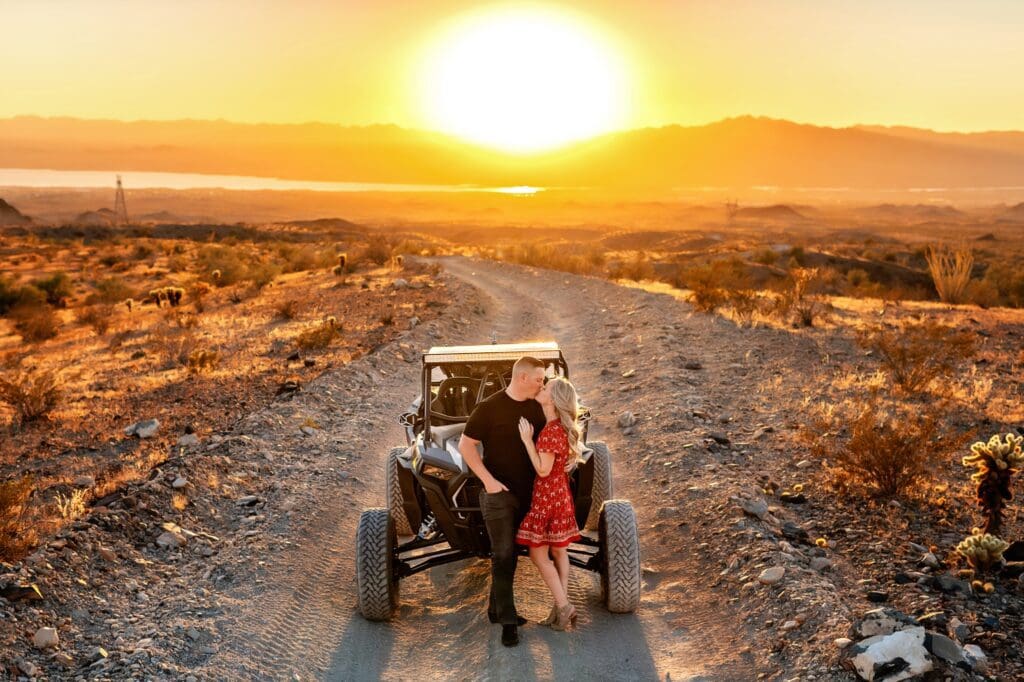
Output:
x,y
221,264
35,323
798,302
1006,278
109,290
995,462
99,317
637,268
387,319
201,360
874,450
950,268
10,293
70,506
744,303
766,256
57,287
31,394
174,345
796,257
197,294
16,533
915,354
262,274
378,250
110,260
298,258
711,284
287,309
142,251
320,336
555,257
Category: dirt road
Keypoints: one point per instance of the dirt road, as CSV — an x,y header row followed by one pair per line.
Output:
x,y
289,607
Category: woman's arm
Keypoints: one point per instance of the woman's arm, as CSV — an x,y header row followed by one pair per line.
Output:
x,y
542,461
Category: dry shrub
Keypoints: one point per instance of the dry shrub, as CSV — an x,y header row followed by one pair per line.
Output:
x,y
378,251
109,290
799,303
70,506
56,287
201,360
197,294
35,323
715,284
637,268
554,257
915,354
174,345
32,395
98,316
16,533
298,258
876,450
950,268
288,309
320,336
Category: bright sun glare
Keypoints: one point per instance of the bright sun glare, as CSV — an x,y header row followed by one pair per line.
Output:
x,y
523,80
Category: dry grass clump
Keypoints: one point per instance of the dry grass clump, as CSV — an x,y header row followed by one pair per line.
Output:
x,y
287,309
915,354
320,336
32,395
174,345
379,251
109,290
57,288
299,258
98,316
555,257
878,450
637,268
16,532
35,323
950,268
72,505
717,284
202,360
798,303
225,265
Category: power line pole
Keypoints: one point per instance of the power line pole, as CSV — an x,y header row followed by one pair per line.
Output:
x,y
120,208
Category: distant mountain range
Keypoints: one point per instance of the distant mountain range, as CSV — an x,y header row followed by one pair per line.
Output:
x,y
738,152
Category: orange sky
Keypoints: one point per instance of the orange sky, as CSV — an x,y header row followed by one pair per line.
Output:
x,y
937,64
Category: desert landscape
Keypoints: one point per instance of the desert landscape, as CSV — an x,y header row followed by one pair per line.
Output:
x,y
780,248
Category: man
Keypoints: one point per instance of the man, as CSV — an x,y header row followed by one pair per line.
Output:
x,y
507,478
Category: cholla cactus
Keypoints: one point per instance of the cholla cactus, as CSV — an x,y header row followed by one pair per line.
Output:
x,y
996,461
982,550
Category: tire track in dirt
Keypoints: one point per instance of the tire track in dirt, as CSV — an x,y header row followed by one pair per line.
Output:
x,y
300,622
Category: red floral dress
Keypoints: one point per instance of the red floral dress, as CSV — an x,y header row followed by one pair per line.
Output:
x,y
552,516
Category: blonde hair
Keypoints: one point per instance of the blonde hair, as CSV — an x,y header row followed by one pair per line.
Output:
x,y
566,402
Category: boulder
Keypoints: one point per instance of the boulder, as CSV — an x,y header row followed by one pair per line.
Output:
x,y
46,638
770,576
143,429
946,649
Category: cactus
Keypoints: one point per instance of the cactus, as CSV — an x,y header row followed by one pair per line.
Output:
x,y
996,462
982,550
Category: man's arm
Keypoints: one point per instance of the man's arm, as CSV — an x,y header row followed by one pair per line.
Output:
x,y
467,448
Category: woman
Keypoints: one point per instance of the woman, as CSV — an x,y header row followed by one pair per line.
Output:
x,y
550,525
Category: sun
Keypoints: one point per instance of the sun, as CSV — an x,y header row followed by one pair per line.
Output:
x,y
523,80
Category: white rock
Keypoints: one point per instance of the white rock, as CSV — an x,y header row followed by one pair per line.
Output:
x,y
804,463
188,440
626,419
171,540
755,507
976,657
179,482
400,283
905,644
46,638
820,563
143,429
842,642
770,576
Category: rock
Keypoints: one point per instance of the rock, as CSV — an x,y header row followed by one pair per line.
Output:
x,y
84,482
719,437
902,578
881,622
976,657
945,648
920,549
899,656
789,625
933,620
45,638
1015,552
629,374
179,482
188,440
755,507
820,564
64,659
107,554
13,593
958,629
400,283
842,642
877,596
794,532
247,501
308,430
28,667
413,322
171,540
98,654
793,498
947,583
804,464
143,429
626,419
772,575
692,364
930,560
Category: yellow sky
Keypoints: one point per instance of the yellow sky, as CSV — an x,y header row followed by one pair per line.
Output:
x,y
936,64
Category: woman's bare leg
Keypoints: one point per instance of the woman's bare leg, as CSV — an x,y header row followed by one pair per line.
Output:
x,y
561,557
539,556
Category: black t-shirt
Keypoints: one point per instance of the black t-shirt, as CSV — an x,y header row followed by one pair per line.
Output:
x,y
495,423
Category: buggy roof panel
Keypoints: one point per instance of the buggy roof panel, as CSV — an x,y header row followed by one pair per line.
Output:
x,y
546,350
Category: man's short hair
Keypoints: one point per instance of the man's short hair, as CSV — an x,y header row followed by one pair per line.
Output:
x,y
525,364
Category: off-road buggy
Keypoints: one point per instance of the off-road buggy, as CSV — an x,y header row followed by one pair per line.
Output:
x,y
433,514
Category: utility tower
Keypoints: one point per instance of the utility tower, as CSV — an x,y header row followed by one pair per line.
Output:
x,y
120,208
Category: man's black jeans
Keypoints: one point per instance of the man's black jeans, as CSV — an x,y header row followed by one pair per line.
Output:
x,y
501,515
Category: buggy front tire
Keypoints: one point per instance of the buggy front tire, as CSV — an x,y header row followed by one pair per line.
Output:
x,y
601,489
620,549
393,493
375,574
